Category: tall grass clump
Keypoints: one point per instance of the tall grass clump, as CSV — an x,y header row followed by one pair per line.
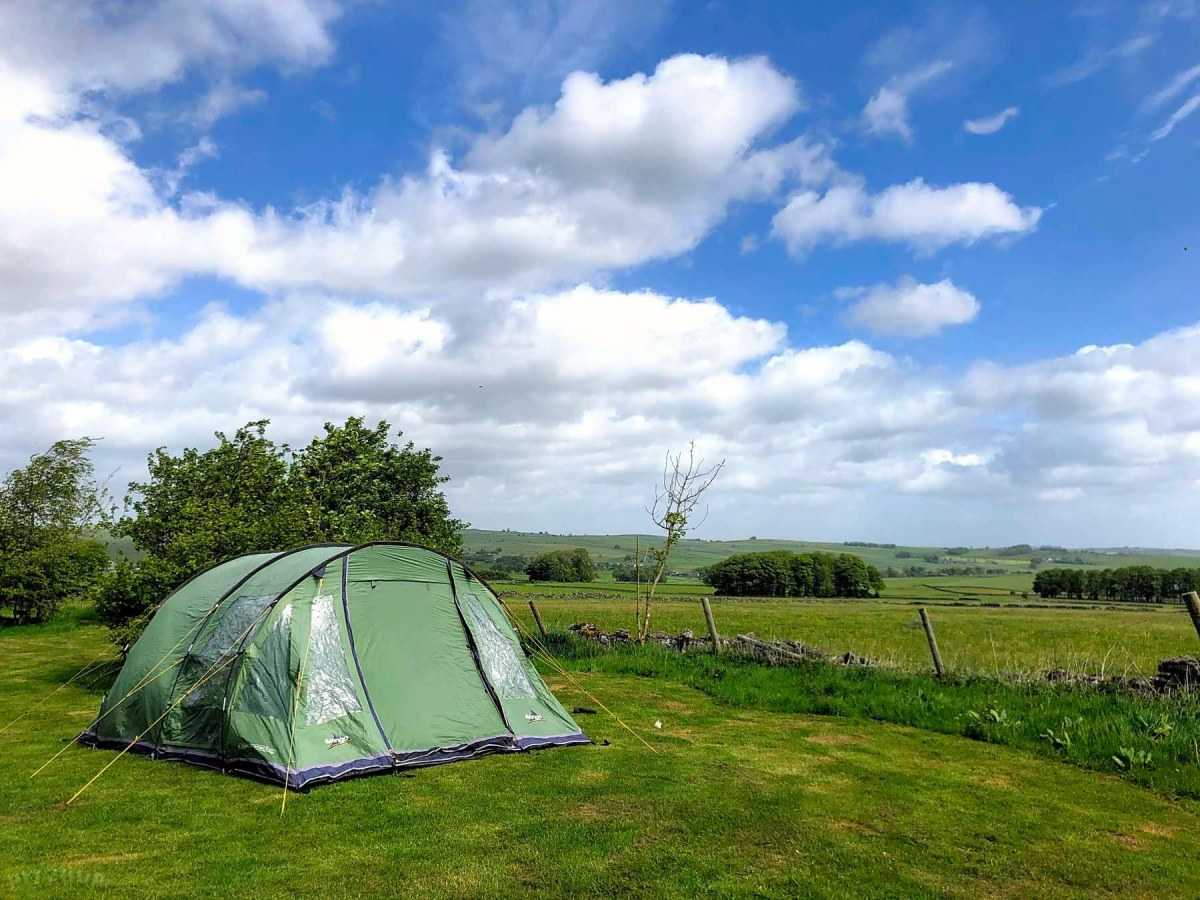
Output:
x,y
1153,740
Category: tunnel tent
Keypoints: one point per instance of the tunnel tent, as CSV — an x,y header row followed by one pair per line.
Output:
x,y
330,661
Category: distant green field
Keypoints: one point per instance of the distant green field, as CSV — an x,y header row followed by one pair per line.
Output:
x,y
972,639
601,589
985,588
693,554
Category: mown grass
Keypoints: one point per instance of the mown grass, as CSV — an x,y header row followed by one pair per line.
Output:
x,y
1153,740
972,639
737,801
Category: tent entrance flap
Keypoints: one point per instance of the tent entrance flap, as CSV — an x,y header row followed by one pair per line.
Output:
x,y
415,661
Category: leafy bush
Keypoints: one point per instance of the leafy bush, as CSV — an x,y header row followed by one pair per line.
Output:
x,y
562,565
491,572
130,592
34,584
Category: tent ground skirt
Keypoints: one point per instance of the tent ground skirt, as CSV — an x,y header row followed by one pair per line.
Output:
x,y
303,779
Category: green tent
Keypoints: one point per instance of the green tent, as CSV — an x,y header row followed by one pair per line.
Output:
x,y
330,661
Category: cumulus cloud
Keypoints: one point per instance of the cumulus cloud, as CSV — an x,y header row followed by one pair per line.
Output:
x,y
549,403
909,308
614,174
583,388
464,302
93,45
991,124
925,216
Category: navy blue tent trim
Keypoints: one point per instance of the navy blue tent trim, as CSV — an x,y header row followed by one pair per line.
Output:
x,y
314,775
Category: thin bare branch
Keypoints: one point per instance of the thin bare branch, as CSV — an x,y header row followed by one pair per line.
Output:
x,y
683,484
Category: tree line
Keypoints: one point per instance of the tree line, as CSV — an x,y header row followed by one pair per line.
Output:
x,y
1131,584
782,573
556,565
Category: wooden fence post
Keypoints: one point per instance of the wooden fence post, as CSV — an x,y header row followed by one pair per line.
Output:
x,y
537,617
712,626
933,647
1192,599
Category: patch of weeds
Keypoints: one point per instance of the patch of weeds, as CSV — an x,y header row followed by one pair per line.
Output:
x,y
1098,729
1129,758
983,724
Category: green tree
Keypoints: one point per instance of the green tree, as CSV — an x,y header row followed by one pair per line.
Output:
x,y
204,506
582,565
46,508
562,565
54,497
781,573
354,484
249,494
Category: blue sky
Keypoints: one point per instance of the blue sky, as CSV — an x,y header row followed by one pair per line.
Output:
x,y
856,253
1113,228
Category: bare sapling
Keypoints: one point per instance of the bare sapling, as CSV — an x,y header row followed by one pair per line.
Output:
x,y
683,484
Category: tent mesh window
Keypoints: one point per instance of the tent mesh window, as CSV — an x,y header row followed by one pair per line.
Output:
x,y
497,655
265,694
328,691
232,624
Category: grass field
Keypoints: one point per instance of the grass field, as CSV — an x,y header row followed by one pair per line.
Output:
x,y
972,638
985,588
735,802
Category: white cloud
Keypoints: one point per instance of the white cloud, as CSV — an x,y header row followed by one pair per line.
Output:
x,y
1188,107
887,111
502,46
1172,89
82,225
916,213
991,124
222,99
911,309
615,174
93,45
549,407
1097,59
442,301
188,158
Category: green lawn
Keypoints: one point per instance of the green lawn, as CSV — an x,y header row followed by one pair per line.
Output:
x,y
735,802
971,638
